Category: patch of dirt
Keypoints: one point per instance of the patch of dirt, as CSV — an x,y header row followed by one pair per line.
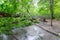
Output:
x,y
56,25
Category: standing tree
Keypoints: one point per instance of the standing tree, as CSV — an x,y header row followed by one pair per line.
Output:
x,y
51,10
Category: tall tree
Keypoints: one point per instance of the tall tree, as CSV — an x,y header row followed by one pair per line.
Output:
x,y
51,9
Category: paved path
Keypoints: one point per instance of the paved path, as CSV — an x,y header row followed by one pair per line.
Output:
x,y
34,32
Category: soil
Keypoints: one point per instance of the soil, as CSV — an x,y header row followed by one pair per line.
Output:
x,y
55,23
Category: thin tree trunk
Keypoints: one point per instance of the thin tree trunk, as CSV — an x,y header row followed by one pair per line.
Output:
x,y
51,10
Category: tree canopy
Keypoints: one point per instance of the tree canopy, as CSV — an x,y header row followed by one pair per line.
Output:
x,y
26,10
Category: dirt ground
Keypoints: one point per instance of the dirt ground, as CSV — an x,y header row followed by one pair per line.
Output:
x,y
56,25
55,28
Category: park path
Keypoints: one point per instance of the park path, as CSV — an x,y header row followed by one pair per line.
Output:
x,y
35,32
55,29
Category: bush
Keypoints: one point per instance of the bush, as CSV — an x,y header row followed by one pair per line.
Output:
x,y
13,7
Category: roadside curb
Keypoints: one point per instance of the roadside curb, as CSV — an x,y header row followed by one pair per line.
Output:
x,y
49,30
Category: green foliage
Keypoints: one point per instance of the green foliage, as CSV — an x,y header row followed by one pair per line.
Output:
x,y
57,9
44,8
6,24
21,7
26,10
8,6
